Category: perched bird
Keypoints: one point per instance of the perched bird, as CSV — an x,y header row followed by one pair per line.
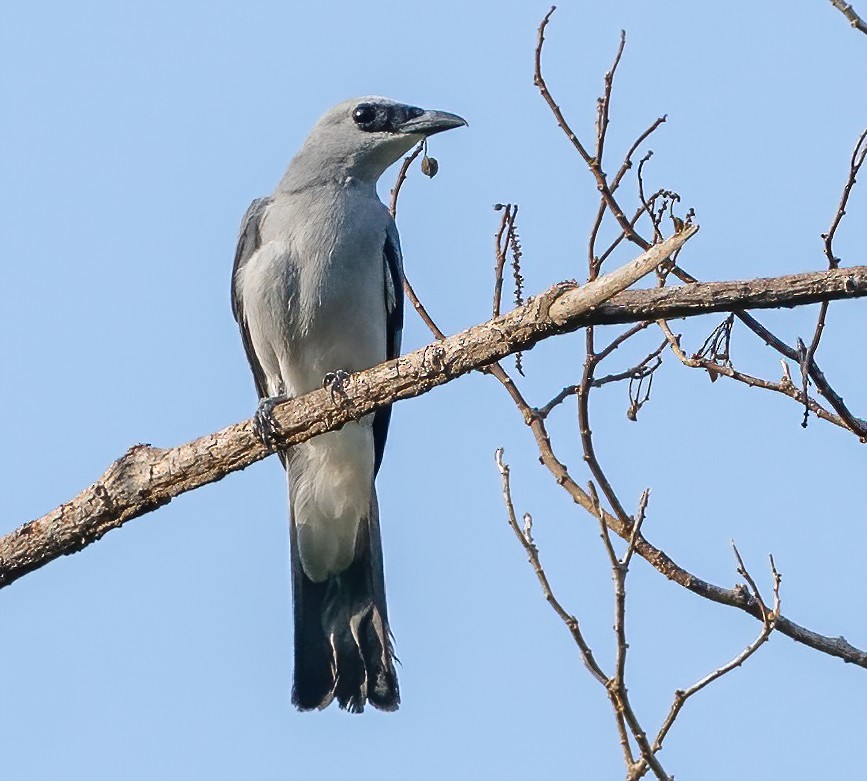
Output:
x,y
317,290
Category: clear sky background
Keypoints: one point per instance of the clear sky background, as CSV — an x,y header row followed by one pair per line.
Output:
x,y
134,137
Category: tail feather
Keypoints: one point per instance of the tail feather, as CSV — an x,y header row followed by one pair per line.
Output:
x,y
343,646
314,676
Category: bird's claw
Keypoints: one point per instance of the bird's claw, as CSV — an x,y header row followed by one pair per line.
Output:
x,y
335,382
263,421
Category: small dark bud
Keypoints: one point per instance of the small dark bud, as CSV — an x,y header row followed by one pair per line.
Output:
x,y
429,166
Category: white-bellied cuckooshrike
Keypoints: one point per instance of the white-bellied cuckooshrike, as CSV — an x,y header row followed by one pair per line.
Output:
x,y
317,290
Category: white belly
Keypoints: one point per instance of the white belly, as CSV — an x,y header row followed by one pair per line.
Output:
x,y
330,482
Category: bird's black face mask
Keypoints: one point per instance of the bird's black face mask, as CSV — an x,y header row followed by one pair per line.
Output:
x,y
379,118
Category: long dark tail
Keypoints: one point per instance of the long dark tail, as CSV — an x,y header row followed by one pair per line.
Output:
x,y
343,646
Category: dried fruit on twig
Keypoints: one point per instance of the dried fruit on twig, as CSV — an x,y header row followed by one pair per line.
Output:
x,y
429,166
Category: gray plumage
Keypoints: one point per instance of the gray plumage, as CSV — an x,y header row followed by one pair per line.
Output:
x,y
317,289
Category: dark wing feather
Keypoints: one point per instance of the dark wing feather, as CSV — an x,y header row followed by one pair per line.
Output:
x,y
249,241
394,328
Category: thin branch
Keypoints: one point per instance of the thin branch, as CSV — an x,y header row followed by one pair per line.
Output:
x,y
626,165
619,340
856,161
604,103
768,624
647,203
407,287
401,177
586,436
859,154
532,552
627,161
622,236
592,163
636,527
423,313
501,248
544,411
784,386
623,712
645,368
619,571
662,562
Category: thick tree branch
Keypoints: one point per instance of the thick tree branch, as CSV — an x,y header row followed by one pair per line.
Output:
x,y
146,477
707,297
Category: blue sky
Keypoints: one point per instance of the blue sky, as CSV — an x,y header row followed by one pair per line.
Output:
x,y
136,136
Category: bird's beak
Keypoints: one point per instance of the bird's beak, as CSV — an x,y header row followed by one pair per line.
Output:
x,y
429,122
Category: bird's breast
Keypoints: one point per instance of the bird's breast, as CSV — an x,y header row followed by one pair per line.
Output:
x,y
321,278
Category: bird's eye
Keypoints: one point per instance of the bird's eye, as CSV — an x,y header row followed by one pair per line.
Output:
x,y
364,114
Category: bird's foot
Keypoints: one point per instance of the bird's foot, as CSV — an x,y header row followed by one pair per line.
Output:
x,y
335,382
263,420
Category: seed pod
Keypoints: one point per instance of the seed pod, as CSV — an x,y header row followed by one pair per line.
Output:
x,y
429,166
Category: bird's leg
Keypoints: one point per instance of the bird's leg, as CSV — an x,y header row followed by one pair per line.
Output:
x,y
263,420
335,382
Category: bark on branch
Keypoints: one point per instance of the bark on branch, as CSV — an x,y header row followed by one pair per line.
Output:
x,y
147,477
851,14
704,298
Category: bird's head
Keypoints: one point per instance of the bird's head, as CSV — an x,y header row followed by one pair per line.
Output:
x,y
364,136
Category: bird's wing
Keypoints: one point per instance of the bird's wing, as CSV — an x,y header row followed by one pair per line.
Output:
x,y
394,327
249,240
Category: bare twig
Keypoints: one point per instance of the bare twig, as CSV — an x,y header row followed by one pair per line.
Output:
x,y
717,347
544,411
784,386
627,161
636,526
422,312
619,340
769,619
856,161
859,153
532,552
407,286
401,176
614,687
592,163
617,684
647,203
501,248
649,364
604,103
